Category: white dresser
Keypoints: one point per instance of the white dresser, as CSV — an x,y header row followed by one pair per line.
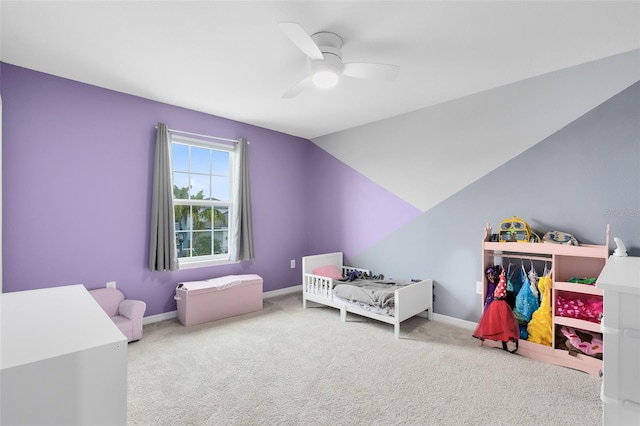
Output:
x,y
63,361
620,280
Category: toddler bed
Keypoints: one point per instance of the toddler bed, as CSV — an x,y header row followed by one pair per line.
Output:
x,y
389,301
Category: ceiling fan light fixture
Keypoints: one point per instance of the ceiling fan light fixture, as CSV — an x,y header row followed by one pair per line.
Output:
x,y
325,78
326,73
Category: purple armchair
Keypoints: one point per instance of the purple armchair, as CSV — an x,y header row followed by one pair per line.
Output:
x,y
126,314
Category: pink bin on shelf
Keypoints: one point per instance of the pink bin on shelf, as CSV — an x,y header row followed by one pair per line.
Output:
x,y
203,301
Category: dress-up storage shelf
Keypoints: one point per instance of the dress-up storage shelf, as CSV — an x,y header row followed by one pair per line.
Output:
x,y
565,262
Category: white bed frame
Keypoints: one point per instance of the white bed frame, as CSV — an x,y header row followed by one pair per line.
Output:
x,y
409,301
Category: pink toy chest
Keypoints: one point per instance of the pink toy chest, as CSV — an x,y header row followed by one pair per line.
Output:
x,y
217,298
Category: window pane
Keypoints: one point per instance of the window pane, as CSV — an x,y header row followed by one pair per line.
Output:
x,y
182,216
200,187
200,160
201,217
180,157
220,242
202,243
220,187
182,244
181,186
220,163
221,217
221,233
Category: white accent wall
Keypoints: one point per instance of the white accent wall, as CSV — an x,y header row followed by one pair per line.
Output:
x,y
443,148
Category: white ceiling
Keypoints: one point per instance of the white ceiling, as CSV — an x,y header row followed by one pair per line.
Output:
x,y
231,60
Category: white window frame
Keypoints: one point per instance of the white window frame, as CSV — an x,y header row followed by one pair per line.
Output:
x,y
214,259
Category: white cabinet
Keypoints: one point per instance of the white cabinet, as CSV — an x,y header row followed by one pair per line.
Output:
x,y
620,280
63,361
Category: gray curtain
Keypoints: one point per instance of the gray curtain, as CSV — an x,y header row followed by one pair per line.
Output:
x,y
241,244
162,245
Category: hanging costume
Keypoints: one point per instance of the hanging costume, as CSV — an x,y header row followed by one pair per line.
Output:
x,y
498,322
526,305
540,326
493,273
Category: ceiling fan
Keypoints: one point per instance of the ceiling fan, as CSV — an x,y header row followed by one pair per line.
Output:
x,y
325,60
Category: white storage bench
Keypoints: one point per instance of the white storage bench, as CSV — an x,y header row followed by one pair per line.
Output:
x,y
217,298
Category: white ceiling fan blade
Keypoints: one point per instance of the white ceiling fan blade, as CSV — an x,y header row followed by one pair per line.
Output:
x,y
300,38
297,88
371,71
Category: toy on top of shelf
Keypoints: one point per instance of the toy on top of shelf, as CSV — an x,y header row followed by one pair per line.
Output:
x,y
516,230
621,249
559,237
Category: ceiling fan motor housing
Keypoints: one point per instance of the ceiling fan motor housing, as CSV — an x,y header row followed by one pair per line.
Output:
x,y
331,62
327,39
326,72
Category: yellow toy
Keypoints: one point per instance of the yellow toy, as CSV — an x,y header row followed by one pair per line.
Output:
x,y
514,230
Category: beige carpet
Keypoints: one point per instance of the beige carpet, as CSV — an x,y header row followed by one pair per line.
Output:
x,y
289,366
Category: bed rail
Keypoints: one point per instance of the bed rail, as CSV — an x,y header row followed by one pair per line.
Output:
x,y
316,284
322,286
411,300
319,286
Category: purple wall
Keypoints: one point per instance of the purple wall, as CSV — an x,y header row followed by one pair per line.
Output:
x,y
77,167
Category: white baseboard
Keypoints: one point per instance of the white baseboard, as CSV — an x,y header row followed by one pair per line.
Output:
x,y
455,321
159,317
282,291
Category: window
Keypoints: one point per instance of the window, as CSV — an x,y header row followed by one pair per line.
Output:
x,y
202,200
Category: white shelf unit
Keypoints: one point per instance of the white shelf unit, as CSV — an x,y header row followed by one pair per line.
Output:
x,y
620,281
565,262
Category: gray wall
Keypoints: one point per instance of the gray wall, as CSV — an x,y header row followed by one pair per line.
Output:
x,y
580,179
582,173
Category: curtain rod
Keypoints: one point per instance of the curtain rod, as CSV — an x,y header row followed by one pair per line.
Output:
x,y
202,136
